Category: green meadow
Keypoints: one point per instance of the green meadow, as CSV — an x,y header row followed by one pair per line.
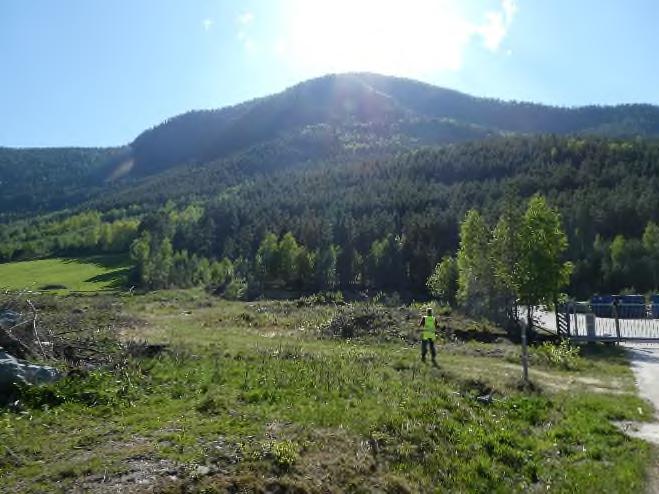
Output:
x,y
67,275
255,397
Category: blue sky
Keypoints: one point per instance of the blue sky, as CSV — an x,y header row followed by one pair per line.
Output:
x,y
97,73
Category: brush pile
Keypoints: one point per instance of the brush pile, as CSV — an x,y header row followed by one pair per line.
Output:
x,y
360,320
73,330
42,336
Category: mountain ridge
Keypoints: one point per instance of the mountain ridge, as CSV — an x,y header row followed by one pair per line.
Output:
x,y
333,118
201,136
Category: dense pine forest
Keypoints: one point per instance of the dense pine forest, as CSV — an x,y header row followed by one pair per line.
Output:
x,y
344,182
380,224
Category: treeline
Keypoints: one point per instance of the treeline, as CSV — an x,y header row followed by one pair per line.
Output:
x,y
389,222
517,261
88,232
602,188
631,263
173,249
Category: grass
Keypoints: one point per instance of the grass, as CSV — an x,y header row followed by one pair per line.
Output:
x,y
66,275
254,396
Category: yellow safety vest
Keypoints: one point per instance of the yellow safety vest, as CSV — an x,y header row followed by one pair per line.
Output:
x,y
429,328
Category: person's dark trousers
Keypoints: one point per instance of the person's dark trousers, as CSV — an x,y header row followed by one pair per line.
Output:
x,y
425,344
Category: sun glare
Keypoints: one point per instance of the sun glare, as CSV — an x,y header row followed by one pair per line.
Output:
x,y
412,37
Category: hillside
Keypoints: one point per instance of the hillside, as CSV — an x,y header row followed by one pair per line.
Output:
x,y
386,104
48,179
603,188
407,207
259,397
349,164
333,119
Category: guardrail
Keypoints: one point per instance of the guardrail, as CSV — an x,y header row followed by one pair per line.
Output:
x,y
609,322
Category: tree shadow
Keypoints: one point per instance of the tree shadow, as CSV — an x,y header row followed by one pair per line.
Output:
x,y
608,353
639,354
113,280
480,336
105,261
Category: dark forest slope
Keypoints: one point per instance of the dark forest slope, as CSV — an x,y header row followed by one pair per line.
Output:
x,y
602,187
409,204
386,104
335,119
46,179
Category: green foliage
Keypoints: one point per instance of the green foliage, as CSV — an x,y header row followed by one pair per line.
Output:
x,y
651,247
542,272
288,252
321,299
385,263
520,260
267,258
419,198
506,250
47,179
443,282
325,268
236,289
476,280
286,263
84,233
561,356
284,453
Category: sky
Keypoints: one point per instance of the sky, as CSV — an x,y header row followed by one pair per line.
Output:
x,y
99,72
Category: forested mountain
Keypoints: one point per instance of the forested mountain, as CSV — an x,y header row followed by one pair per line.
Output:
x,y
332,119
388,106
385,223
365,177
607,191
47,179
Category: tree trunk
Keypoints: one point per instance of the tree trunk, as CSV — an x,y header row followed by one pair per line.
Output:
x,y
525,350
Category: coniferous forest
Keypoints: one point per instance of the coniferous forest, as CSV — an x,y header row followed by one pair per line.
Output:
x,y
331,185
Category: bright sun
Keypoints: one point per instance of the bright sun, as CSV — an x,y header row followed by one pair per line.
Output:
x,y
412,37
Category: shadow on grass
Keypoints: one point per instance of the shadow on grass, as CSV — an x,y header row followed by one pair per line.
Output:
x,y
604,353
480,336
118,268
113,280
106,261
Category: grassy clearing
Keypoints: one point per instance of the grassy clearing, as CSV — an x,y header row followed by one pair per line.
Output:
x,y
252,399
66,275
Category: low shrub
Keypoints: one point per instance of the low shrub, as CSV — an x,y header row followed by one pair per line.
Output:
x,y
284,453
562,356
235,290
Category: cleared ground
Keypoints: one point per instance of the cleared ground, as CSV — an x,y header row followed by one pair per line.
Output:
x,y
66,275
254,397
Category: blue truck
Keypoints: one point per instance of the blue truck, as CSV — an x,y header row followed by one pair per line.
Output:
x,y
632,307
627,306
602,305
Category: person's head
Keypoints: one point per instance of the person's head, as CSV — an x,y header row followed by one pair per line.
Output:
x,y
429,311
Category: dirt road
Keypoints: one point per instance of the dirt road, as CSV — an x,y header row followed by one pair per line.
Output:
x,y
645,364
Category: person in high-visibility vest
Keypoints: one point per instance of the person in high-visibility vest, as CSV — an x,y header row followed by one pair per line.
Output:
x,y
428,327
